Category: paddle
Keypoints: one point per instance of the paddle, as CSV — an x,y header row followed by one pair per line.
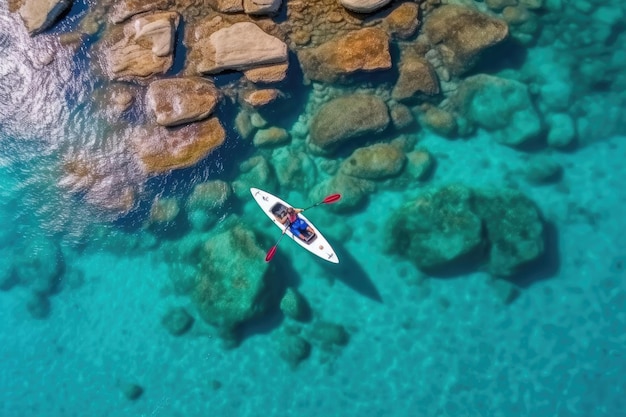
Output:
x,y
328,200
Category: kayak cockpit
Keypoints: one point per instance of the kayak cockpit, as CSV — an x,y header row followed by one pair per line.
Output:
x,y
279,211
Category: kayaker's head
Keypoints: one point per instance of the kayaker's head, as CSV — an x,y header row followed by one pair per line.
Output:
x,y
290,210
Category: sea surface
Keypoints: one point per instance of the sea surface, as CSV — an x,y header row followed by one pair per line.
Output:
x,y
92,342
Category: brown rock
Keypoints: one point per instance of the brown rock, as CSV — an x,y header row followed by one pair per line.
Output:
x,y
403,21
439,121
401,116
361,50
229,6
176,101
163,149
345,118
259,98
257,7
461,34
145,49
125,9
417,79
270,137
267,74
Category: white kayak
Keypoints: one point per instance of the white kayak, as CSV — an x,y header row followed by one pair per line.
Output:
x,y
275,208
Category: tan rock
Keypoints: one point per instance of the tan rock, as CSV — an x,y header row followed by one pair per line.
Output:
x,y
361,50
240,47
461,34
401,116
417,79
403,21
270,137
163,149
267,74
209,195
39,15
146,47
176,101
374,162
164,210
259,98
439,121
258,7
243,124
124,9
229,6
364,6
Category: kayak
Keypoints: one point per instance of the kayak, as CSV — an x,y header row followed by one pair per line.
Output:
x,y
275,208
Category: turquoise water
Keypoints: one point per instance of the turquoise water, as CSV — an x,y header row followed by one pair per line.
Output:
x,y
81,329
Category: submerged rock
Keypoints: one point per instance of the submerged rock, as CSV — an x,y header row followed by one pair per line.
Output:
x,y
354,191
177,101
461,34
375,162
438,229
163,149
294,169
233,284
271,137
292,348
294,305
499,105
417,79
145,48
345,118
39,15
403,21
361,50
177,321
239,47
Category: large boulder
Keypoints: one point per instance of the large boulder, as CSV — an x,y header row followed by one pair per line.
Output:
x,y
144,48
177,101
345,118
233,284
375,162
437,230
364,6
417,79
514,229
361,50
461,34
163,149
499,105
239,47
39,15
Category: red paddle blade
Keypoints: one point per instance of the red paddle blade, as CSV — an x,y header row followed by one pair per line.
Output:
x,y
270,254
331,198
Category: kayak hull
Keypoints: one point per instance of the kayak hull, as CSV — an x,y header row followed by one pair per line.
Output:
x,y
318,245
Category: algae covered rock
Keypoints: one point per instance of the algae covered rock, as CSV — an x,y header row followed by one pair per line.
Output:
x,y
38,264
294,305
177,321
500,105
206,202
514,229
374,162
354,191
403,21
294,169
329,334
233,284
436,230
417,79
345,118
293,349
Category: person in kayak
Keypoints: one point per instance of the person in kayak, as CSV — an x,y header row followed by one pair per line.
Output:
x,y
296,224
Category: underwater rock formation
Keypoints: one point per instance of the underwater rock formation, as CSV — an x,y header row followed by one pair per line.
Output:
x,y
362,50
461,34
176,101
375,162
163,149
346,118
417,79
233,284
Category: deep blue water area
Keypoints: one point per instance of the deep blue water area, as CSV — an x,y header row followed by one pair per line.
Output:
x,y
116,285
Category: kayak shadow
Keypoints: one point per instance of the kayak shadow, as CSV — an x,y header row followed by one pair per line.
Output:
x,y
352,274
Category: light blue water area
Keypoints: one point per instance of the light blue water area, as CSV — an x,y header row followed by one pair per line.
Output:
x,y
85,286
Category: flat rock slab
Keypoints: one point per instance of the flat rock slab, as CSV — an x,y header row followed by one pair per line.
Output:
x,y
145,49
240,47
39,15
361,50
181,100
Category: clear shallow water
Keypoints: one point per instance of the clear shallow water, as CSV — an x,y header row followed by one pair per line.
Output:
x,y
443,347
